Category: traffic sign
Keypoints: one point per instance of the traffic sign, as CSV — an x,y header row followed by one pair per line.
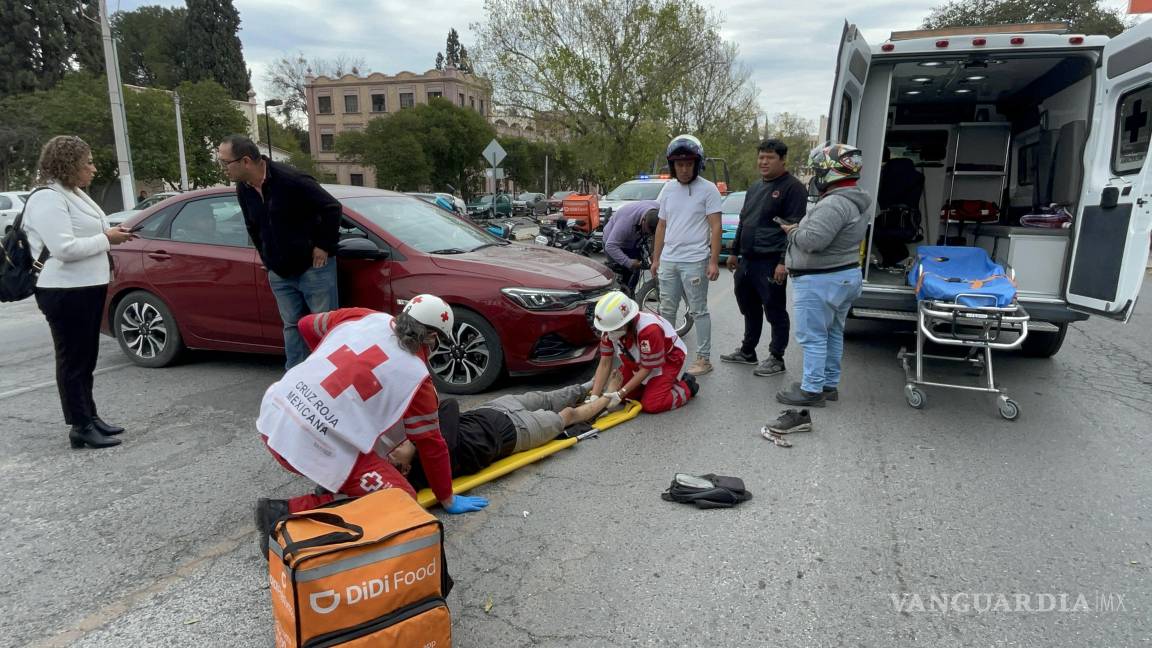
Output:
x,y
494,153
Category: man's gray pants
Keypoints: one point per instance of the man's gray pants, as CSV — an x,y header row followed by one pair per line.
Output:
x,y
535,414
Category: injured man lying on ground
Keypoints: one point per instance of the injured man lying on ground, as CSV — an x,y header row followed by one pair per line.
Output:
x,y
502,427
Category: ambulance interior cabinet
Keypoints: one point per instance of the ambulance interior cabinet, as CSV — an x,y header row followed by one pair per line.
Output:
x,y
1037,255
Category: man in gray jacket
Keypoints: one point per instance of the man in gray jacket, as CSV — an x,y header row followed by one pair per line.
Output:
x,y
823,259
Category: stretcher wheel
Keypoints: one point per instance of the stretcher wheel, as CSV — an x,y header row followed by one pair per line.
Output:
x,y
1009,409
915,396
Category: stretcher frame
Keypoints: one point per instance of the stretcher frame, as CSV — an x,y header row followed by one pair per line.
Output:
x,y
508,464
977,328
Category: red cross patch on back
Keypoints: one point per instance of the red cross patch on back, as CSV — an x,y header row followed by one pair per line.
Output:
x,y
354,370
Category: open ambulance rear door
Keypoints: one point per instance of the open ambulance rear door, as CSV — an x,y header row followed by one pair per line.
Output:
x,y
1114,217
848,90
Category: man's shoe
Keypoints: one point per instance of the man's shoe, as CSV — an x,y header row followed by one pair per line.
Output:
x,y
700,367
268,513
738,356
693,386
790,421
87,435
831,394
105,428
769,367
794,395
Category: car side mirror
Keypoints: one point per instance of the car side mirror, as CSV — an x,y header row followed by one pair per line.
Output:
x,y
1109,198
359,248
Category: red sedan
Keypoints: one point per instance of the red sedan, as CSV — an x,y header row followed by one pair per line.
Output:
x,y
194,280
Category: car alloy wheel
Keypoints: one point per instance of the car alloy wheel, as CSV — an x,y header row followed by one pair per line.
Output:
x,y
463,361
144,329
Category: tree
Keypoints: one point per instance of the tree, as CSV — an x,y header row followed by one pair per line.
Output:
x,y
1083,16
42,40
151,46
439,60
287,77
209,117
452,49
605,72
214,51
796,132
431,145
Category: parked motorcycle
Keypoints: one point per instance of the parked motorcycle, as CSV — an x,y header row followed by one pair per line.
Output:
x,y
562,235
502,229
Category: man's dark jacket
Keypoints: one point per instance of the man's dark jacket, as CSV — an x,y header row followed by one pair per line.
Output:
x,y
758,236
294,216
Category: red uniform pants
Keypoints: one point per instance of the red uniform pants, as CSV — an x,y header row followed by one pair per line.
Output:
x,y
370,474
662,393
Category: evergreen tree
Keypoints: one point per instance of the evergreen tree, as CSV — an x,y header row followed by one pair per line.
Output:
x,y
214,51
150,46
41,40
452,49
465,65
439,60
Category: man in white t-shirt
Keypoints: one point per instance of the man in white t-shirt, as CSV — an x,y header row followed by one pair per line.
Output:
x,y
686,255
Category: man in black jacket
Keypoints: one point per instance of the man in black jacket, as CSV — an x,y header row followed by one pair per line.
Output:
x,y
509,424
758,257
295,226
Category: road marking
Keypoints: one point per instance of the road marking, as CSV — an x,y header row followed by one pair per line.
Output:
x,y
52,383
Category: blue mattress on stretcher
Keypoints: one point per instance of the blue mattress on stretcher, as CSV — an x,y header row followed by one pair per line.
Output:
x,y
944,272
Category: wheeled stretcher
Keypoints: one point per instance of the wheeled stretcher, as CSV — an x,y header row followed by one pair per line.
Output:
x,y
963,299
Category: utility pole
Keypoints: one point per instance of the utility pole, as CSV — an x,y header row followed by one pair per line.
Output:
x,y
180,144
546,194
119,122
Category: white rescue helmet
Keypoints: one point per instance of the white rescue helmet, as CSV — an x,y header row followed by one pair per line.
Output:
x,y
431,311
614,310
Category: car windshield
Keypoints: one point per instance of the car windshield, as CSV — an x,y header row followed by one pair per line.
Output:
x,y
483,200
733,203
420,225
636,191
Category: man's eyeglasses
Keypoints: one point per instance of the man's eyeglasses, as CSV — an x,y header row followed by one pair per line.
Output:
x,y
224,164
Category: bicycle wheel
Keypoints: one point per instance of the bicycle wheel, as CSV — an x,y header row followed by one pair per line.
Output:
x,y
648,296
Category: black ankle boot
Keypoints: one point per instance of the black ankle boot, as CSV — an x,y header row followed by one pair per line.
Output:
x,y
104,428
82,435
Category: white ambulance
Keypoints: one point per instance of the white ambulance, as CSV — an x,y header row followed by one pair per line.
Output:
x,y
997,130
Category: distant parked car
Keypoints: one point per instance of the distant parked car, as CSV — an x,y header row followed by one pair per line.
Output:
x,y
119,217
529,202
730,218
11,203
194,280
556,201
489,206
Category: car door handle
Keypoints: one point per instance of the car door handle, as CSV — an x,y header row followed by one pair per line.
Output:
x,y
159,255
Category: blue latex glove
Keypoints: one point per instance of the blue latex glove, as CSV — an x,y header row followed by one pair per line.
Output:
x,y
465,504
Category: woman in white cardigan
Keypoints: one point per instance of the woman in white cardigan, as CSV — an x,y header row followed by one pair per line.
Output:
x,y
73,284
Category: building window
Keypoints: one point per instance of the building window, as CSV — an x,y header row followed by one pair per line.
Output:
x,y
407,100
435,95
351,103
327,142
461,99
378,104
356,179
324,105
472,102
482,107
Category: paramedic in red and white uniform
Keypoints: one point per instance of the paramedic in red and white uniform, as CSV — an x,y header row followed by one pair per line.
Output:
x,y
362,391
652,356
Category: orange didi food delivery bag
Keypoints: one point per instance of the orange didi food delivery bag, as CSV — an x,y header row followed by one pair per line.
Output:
x,y
361,572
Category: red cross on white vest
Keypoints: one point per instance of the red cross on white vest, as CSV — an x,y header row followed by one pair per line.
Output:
x,y
355,370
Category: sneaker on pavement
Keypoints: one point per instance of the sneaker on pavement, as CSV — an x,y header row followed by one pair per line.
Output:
x,y
795,395
831,394
738,356
268,512
791,420
693,386
700,367
769,367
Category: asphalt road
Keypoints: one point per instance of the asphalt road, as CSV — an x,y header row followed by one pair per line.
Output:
x,y
152,543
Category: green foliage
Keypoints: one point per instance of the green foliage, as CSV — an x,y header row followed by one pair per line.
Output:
x,y
213,48
798,133
209,117
151,45
1083,16
430,145
42,40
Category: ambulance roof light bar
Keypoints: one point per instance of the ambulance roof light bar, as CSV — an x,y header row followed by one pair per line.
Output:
x,y
1014,28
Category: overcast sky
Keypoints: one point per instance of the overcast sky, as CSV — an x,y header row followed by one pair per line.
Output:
x,y
789,44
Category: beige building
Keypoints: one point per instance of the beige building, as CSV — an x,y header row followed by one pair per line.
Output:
x,y
350,102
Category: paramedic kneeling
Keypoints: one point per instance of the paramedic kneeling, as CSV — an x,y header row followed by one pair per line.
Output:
x,y
652,356
363,390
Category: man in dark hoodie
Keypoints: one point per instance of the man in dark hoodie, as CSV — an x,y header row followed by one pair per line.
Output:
x,y
823,259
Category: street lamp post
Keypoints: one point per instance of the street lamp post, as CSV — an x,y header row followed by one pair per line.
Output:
x,y
268,122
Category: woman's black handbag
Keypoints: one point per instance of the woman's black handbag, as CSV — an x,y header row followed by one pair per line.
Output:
x,y
18,271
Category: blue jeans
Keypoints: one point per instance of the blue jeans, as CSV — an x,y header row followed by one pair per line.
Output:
x,y
820,304
314,291
690,281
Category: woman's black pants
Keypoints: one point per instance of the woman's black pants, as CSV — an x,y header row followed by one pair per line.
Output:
x,y
74,316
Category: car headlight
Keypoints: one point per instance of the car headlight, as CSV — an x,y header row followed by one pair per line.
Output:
x,y
543,299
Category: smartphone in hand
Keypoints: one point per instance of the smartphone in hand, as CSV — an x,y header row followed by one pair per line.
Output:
x,y
135,229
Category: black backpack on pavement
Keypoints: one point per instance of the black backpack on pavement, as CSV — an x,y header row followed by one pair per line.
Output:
x,y
18,272
707,491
